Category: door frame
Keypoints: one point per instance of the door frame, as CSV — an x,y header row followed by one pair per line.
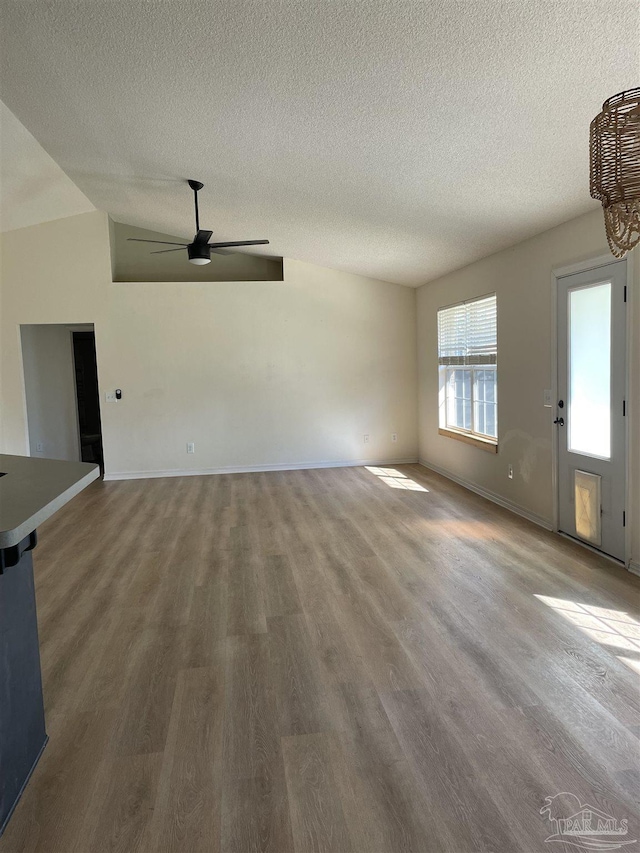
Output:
x,y
71,328
585,265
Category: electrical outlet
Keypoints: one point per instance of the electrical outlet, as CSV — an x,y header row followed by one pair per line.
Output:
x,y
39,447
366,439
191,448
510,472
394,436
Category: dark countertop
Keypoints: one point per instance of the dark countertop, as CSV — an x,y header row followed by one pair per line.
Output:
x,y
32,490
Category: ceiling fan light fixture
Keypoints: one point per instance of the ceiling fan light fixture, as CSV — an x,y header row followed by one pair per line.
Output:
x,y
614,153
199,254
199,250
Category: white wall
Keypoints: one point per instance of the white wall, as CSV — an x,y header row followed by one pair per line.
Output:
x,y
50,390
256,374
521,276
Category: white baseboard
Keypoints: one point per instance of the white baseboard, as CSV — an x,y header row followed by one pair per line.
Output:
x,y
490,496
249,469
634,567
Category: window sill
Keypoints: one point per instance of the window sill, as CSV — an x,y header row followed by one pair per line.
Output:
x,y
482,443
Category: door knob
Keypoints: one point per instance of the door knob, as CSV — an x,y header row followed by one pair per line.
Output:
x,y
559,421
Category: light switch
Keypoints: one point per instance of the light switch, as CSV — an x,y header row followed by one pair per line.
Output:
x,y
547,398
111,396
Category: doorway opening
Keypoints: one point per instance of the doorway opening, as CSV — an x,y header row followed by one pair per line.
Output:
x,y
87,396
61,392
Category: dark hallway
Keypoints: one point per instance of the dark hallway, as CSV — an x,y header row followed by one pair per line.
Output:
x,y
86,370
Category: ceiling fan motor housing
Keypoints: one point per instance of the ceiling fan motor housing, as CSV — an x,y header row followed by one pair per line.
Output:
x,y
199,250
199,253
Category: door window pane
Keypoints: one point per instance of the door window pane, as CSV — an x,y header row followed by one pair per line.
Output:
x,y
589,404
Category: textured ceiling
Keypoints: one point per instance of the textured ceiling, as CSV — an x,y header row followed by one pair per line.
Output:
x,y
33,188
395,139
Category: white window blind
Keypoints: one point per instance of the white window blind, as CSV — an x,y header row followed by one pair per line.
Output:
x,y
467,332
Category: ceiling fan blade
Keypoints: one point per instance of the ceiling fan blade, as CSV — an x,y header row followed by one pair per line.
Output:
x,y
222,252
203,236
164,242
238,243
163,251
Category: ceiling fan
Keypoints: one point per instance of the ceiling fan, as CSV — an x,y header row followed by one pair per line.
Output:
x,y
200,249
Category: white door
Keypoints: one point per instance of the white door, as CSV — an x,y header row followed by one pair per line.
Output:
x,y
591,407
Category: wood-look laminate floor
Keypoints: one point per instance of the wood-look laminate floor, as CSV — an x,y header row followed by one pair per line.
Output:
x,y
332,660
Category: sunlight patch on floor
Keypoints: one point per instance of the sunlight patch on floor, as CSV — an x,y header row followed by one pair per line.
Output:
x,y
396,479
631,663
612,628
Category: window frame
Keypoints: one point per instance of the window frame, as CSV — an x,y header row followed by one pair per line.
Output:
x,y
472,435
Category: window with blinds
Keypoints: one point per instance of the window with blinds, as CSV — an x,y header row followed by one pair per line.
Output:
x,y
467,359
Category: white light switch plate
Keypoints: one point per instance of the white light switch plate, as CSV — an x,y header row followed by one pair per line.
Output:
x,y
111,396
547,398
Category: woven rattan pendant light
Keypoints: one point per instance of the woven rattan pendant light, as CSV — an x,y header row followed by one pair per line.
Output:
x,y
615,169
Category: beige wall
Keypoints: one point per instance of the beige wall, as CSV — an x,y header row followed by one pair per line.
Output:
x,y
256,374
50,392
521,276
56,272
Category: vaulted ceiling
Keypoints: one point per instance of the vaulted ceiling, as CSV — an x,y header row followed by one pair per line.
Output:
x,y
33,188
395,139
